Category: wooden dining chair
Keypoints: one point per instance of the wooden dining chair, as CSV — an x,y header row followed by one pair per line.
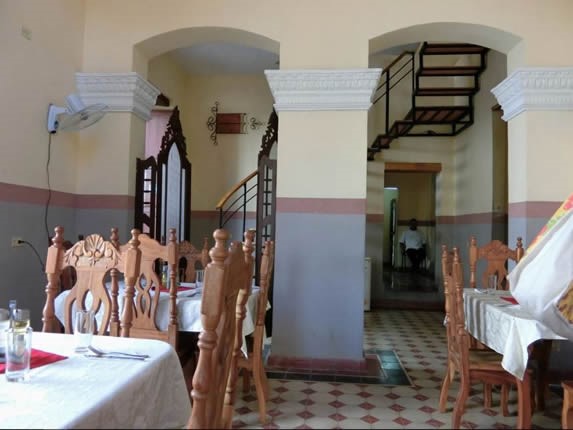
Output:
x,y
94,260
189,257
139,319
473,368
451,369
496,255
240,313
253,362
225,275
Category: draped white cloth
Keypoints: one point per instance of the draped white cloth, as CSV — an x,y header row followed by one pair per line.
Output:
x,y
507,329
90,393
543,276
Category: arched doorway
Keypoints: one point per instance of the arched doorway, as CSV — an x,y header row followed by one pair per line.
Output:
x,y
465,187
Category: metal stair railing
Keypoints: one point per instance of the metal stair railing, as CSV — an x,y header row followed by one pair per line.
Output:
x,y
406,65
242,193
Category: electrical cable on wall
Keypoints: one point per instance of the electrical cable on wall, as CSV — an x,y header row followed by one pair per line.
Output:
x,y
49,187
25,242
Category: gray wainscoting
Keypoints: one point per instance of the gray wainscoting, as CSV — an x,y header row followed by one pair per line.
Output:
x,y
319,286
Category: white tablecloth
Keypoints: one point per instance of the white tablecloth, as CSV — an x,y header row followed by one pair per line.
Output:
x,y
188,309
504,327
81,392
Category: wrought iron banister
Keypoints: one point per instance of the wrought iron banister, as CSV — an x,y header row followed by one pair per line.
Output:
x,y
244,191
390,79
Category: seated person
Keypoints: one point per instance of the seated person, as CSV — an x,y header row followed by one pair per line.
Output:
x,y
413,244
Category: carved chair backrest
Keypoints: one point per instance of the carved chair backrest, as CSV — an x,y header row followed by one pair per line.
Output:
x,y
225,275
140,319
496,255
459,339
192,255
94,260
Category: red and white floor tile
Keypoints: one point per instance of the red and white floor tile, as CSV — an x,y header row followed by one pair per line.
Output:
x,y
418,338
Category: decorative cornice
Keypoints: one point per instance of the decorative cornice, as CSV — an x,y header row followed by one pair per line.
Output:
x,y
121,92
335,89
535,88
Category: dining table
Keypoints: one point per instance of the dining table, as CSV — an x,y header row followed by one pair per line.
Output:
x,y
74,390
188,308
498,321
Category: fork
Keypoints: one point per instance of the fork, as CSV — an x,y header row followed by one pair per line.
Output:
x,y
101,353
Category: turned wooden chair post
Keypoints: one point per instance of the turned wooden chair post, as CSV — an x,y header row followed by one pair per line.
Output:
x,y
240,313
53,272
225,275
114,323
254,362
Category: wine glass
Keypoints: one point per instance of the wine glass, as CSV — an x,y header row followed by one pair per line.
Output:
x,y
492,283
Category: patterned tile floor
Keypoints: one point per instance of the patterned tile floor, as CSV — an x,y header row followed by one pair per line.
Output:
x,y
418,338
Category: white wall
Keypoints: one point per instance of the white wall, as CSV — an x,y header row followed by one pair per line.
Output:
x,y
474,146
35,72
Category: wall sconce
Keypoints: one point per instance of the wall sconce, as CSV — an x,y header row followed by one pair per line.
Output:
x,y
255,124
225,123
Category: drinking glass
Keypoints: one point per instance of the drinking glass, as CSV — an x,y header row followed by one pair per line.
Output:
x,y
18,352
84,325
199,278
21,319
4,325
491,283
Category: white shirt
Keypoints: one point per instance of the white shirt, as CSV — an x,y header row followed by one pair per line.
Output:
x,y
413,239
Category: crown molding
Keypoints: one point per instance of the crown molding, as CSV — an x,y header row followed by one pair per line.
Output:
x,y
535,88
323,89
121,92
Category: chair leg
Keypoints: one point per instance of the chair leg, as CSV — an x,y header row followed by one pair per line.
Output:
x,y
444,390
504,400
524,402
246,380
542,355
262,389
487,396
567,412
460,404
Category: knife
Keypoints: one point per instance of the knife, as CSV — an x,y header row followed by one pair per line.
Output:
x,y
121,357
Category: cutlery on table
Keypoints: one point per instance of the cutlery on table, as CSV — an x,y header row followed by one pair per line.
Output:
x,y
118,354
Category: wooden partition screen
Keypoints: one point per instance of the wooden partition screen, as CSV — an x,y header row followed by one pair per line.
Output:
x,y
163,187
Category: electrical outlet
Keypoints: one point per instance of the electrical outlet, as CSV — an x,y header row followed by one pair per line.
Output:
x,y
16,241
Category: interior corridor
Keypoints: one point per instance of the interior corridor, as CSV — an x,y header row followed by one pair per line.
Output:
x,y
405,289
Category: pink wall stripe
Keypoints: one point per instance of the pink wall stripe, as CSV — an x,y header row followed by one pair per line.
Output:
x,y
11,193
326,206
533,209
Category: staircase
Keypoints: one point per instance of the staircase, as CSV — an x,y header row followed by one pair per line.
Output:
x,y
441,92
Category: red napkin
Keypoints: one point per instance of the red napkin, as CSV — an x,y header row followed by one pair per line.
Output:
x,y
39,358
510,300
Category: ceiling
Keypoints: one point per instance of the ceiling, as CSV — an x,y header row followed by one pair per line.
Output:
x,y
210,58
224,58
